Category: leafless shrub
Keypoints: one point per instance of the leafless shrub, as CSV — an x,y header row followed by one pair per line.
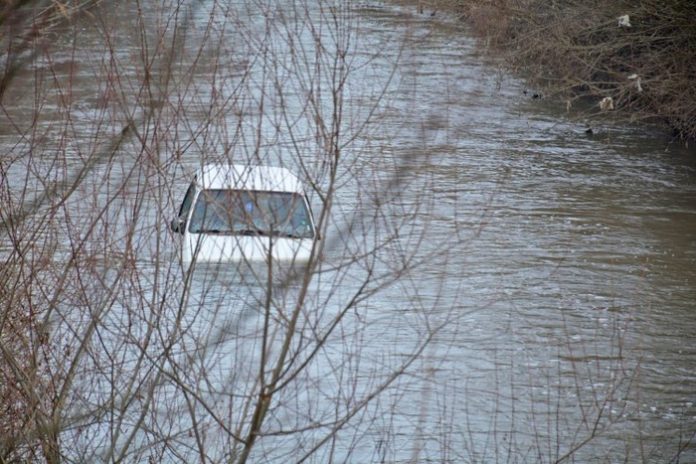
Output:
x,y
581,51
111,348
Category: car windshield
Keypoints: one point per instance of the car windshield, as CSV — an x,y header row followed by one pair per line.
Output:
x,y
244,212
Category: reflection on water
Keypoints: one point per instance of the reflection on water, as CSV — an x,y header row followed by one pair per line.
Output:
x,y
560,273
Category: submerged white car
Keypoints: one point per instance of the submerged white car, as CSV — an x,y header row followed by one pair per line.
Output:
x,y
237,213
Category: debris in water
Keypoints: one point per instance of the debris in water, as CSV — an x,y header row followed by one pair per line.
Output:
x,y
606,104
636,77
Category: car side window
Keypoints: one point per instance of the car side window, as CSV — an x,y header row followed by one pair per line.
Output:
x,y
188,199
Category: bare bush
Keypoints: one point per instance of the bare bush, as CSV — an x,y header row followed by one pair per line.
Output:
x,y
586,51
112,348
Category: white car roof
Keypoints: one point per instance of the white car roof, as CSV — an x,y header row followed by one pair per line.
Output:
x,y
242,177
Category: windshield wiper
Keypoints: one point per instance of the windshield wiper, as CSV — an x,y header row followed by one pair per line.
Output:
x,y
291,235
250,232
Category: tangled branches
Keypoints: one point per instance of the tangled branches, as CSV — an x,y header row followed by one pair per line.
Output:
x,y
641,55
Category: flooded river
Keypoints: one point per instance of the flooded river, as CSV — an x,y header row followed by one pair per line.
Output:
x,y
497,284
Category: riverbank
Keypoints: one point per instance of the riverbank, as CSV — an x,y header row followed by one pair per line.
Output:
x,y
635,61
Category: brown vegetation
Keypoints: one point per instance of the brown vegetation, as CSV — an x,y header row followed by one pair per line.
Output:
x,y
110,348
642,54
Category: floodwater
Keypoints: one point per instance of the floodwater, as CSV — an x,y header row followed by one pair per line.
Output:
x,y
533,285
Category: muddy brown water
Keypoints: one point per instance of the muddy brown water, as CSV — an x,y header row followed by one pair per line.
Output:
x,y
559,266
